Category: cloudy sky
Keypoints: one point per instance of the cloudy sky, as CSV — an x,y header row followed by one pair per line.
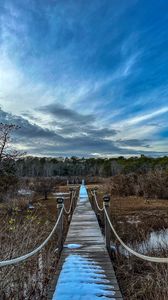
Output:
x,y
85,78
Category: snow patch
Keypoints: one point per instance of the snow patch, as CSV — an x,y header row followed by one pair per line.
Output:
x,y
82,278
73,246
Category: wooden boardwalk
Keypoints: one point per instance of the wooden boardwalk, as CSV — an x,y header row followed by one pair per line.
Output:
x,y
85,271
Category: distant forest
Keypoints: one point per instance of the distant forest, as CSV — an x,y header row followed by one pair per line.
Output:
x,y
101,167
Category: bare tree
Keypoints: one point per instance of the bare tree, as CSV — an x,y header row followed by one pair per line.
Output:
x,y
44,186
6,152
8,157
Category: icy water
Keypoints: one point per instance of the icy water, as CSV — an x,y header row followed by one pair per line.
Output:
x,y
82,277
156,240
64,195
24,192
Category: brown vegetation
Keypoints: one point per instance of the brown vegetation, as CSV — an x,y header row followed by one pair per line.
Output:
x,y
153,184
22,230
135,218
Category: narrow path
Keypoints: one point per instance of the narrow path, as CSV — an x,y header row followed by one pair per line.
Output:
x,y
85,271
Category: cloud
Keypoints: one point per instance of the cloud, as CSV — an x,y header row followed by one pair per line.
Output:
x,y
134,143
147,116
26,130
37,140
65,114
69,122
78,73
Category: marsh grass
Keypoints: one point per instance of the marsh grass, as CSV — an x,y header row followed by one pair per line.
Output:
x,y
21,231
135,219
140,279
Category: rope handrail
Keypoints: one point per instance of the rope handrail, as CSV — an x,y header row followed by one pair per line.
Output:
x,y
95,198
142,256
70,208
26,256
135,253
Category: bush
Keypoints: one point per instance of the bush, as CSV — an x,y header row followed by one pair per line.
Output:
x,y
153,184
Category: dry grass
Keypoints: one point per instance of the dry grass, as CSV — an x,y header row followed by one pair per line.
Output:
x,y
134,219
142,280
22,230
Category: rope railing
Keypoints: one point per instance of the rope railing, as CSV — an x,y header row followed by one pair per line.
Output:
x,y
107,235
61,209
71,204
95,198
142,256
16,260
104,208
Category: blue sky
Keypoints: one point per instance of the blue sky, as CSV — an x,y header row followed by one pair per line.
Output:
x,y
85,78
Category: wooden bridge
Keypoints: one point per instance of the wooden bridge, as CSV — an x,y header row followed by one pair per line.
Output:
x,y
85,271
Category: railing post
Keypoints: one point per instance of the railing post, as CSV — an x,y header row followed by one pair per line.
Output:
x,y
71,193
75,199
95,192
106,203
60,202
93,201
72,199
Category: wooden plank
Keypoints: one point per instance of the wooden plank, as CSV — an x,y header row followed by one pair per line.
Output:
x,y
85,271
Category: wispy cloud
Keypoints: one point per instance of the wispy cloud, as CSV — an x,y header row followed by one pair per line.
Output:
x,y
80,73
141,118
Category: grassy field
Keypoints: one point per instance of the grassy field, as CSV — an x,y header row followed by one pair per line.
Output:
x,y
136,220
22,230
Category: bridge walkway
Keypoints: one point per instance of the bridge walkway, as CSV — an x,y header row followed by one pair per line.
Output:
x,y
85,271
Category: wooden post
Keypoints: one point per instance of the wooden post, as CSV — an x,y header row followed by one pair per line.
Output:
x,y
93,201
60,202
95,206
71,195
106,203
74,200
70,192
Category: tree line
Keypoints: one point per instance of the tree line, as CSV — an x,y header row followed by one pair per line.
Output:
x,y
15,165
99,167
